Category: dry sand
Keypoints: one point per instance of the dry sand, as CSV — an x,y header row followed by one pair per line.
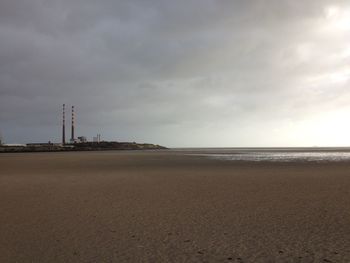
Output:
x,y
168,207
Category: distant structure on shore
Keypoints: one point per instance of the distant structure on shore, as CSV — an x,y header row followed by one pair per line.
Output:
x,y
73,140
64,124
97,138
81,143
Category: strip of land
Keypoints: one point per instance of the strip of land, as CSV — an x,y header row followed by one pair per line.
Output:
x,y
85,146
164,206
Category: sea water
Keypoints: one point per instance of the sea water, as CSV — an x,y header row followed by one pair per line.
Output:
x,y
274,154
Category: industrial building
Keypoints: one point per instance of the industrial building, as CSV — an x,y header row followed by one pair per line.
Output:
x,y
73,139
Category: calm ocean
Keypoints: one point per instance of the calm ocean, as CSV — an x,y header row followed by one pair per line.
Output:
x,y
314,154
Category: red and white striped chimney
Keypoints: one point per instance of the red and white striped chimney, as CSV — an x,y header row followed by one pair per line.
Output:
x,y
64,125
72,138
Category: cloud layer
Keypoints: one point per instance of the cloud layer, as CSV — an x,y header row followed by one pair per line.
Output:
x,y
177,73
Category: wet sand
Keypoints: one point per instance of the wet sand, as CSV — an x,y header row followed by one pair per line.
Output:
x,y
169,207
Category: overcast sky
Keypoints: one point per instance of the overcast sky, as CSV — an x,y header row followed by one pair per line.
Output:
x,y
177,73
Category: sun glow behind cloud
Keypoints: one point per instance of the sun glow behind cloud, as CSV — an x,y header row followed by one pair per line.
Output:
x,y
326,129
324,54
338,18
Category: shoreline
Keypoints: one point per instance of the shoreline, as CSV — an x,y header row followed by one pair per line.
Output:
x,y
80,147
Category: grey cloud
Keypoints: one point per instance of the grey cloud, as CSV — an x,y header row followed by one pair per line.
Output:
x,y
172,70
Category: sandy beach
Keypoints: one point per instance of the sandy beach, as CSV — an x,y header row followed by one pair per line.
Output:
x,y
169,207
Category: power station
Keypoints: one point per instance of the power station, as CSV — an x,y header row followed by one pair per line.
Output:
x,y
79,143
80,139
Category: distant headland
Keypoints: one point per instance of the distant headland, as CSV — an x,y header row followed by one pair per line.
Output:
x,y
80,143
82,146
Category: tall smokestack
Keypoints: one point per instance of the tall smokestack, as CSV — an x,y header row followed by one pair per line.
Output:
x,y
72,139
64,125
